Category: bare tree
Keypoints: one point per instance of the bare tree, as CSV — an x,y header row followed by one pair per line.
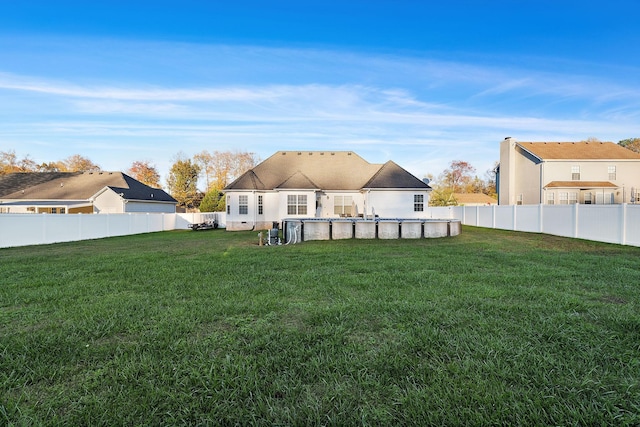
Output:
x,y
222,167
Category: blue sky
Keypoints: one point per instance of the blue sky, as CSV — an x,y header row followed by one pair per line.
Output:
x,y
418,82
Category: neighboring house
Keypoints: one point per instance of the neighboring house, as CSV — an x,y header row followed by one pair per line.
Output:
x,y
80,192
316,184
566,172
474,199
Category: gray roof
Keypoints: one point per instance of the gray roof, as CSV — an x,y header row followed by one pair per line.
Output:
x,y
75,186
324,170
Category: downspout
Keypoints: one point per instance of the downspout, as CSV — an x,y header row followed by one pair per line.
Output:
x,y
255,209
541,182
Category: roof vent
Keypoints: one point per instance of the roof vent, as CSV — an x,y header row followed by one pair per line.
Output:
x,y
152,195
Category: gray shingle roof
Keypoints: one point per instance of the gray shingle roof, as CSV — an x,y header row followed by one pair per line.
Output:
x,y
75,186
326,170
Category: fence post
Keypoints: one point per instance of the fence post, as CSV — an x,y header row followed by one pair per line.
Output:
x,y
575,220
514,222
540,218
44,228
623,226
493,216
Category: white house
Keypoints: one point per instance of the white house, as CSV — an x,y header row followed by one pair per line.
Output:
x,y
322,184
566,173
80,192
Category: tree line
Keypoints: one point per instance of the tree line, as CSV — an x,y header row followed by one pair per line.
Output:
x,y
217,169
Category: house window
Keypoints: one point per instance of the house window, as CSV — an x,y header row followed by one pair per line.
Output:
x,y
418,202
551,198
296,204
260,208
243,205
62,210
228,205
342,205
587,198
519,201
575,173
612,173
54,210
573,198
564,198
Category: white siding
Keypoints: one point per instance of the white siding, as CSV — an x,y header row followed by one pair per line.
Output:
x,y
395,203
108,202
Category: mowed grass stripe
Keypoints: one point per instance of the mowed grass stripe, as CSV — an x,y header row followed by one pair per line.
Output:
x,y
489,327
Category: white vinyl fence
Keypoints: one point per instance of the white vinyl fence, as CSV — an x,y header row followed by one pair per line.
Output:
x,y
604,223
39,229
618,224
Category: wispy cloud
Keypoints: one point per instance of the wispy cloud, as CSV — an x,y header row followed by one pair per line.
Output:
x,y
414,110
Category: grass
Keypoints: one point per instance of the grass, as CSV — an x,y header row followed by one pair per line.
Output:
x,y
487,328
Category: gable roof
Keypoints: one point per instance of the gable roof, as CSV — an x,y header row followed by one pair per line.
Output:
x,y
339,170
579,151
390,175
76,186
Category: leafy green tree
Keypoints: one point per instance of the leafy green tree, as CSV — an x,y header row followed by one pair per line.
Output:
x,y
442,196
182,181
632,144
213,201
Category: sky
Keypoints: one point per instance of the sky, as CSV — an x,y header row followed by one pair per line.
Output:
x,y
419,82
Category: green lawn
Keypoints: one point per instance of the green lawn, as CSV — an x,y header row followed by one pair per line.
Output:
x,y
486,328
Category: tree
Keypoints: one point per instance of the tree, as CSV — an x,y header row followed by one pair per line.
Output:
x,y
10,163
591,139
491,188
457,177
442,197
222,167
213,201
205,161
51,167
146,173
77,163
183,181
632,144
